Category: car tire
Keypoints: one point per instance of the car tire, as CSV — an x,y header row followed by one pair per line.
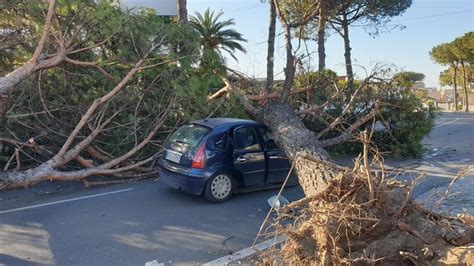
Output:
x,y
219,188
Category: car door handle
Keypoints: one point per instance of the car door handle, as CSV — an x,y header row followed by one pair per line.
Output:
x,y
241,159
273,157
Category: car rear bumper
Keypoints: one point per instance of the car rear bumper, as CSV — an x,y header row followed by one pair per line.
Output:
x,y
188,180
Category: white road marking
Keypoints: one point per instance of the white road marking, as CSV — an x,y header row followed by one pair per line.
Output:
x,y
430,155
66,200
447,123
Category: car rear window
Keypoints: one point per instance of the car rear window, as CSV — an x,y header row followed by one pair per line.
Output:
x,y
190,135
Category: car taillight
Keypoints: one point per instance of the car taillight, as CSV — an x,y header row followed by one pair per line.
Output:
x,y
199,160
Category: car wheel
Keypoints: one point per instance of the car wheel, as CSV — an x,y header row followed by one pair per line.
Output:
x,y
219,188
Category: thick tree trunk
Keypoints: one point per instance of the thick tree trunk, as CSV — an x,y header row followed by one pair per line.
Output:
x,y
22,179
46,171
299,144
12,79
455,86
182,11
353,215
347,52
290,66
271,47
290,59
321,36
464,87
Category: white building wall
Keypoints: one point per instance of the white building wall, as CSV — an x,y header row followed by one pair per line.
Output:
x,y
162,7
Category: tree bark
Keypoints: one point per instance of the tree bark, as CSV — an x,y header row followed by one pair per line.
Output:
x,y
464,87
290,59
455,86
347,51
182,11
290,66
72,147
321,36
12,79
313,164
22,179
271,47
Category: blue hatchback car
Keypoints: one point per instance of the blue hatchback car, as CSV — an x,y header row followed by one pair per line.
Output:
x,y
219,156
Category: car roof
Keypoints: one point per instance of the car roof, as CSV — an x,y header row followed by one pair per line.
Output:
x,y
223,122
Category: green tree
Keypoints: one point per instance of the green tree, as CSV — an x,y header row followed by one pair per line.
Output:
x,y
408,78
459,56
308,17
376,13
215,37
403,117
443,54
80,121
446,77
463,50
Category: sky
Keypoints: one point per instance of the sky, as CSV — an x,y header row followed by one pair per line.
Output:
x,y
427,23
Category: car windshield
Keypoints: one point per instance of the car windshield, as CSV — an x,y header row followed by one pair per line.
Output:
x,y
190,135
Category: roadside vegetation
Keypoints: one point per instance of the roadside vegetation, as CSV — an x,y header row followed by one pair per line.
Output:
x,y
84,56
458,56
140,67
89,89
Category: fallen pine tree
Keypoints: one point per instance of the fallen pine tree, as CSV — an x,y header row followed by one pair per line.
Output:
x,y
86,103
349,216
354,216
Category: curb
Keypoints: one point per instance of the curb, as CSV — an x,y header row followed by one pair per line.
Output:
x,y
246,252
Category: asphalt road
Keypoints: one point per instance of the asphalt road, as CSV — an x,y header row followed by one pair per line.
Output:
x,y
130,224
449,158
133,224
449,149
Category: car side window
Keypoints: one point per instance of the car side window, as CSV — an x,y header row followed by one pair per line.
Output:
x,y
221,141
246,139
268,141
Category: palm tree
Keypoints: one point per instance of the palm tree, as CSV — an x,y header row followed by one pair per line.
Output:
x,y
215,37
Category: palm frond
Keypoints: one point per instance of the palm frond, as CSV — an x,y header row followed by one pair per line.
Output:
x,y
216,34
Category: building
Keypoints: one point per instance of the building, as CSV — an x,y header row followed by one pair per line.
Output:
x,y
165,8
447,97
433,95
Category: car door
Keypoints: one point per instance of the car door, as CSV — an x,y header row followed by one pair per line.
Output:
x,y
248,155
278,163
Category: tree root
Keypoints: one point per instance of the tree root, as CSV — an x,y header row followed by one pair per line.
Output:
x,y
343,225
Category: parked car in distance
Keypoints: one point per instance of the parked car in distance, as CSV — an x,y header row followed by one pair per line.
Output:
x,y
217,157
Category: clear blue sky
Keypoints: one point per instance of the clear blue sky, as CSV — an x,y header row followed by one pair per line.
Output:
x,y
427,22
